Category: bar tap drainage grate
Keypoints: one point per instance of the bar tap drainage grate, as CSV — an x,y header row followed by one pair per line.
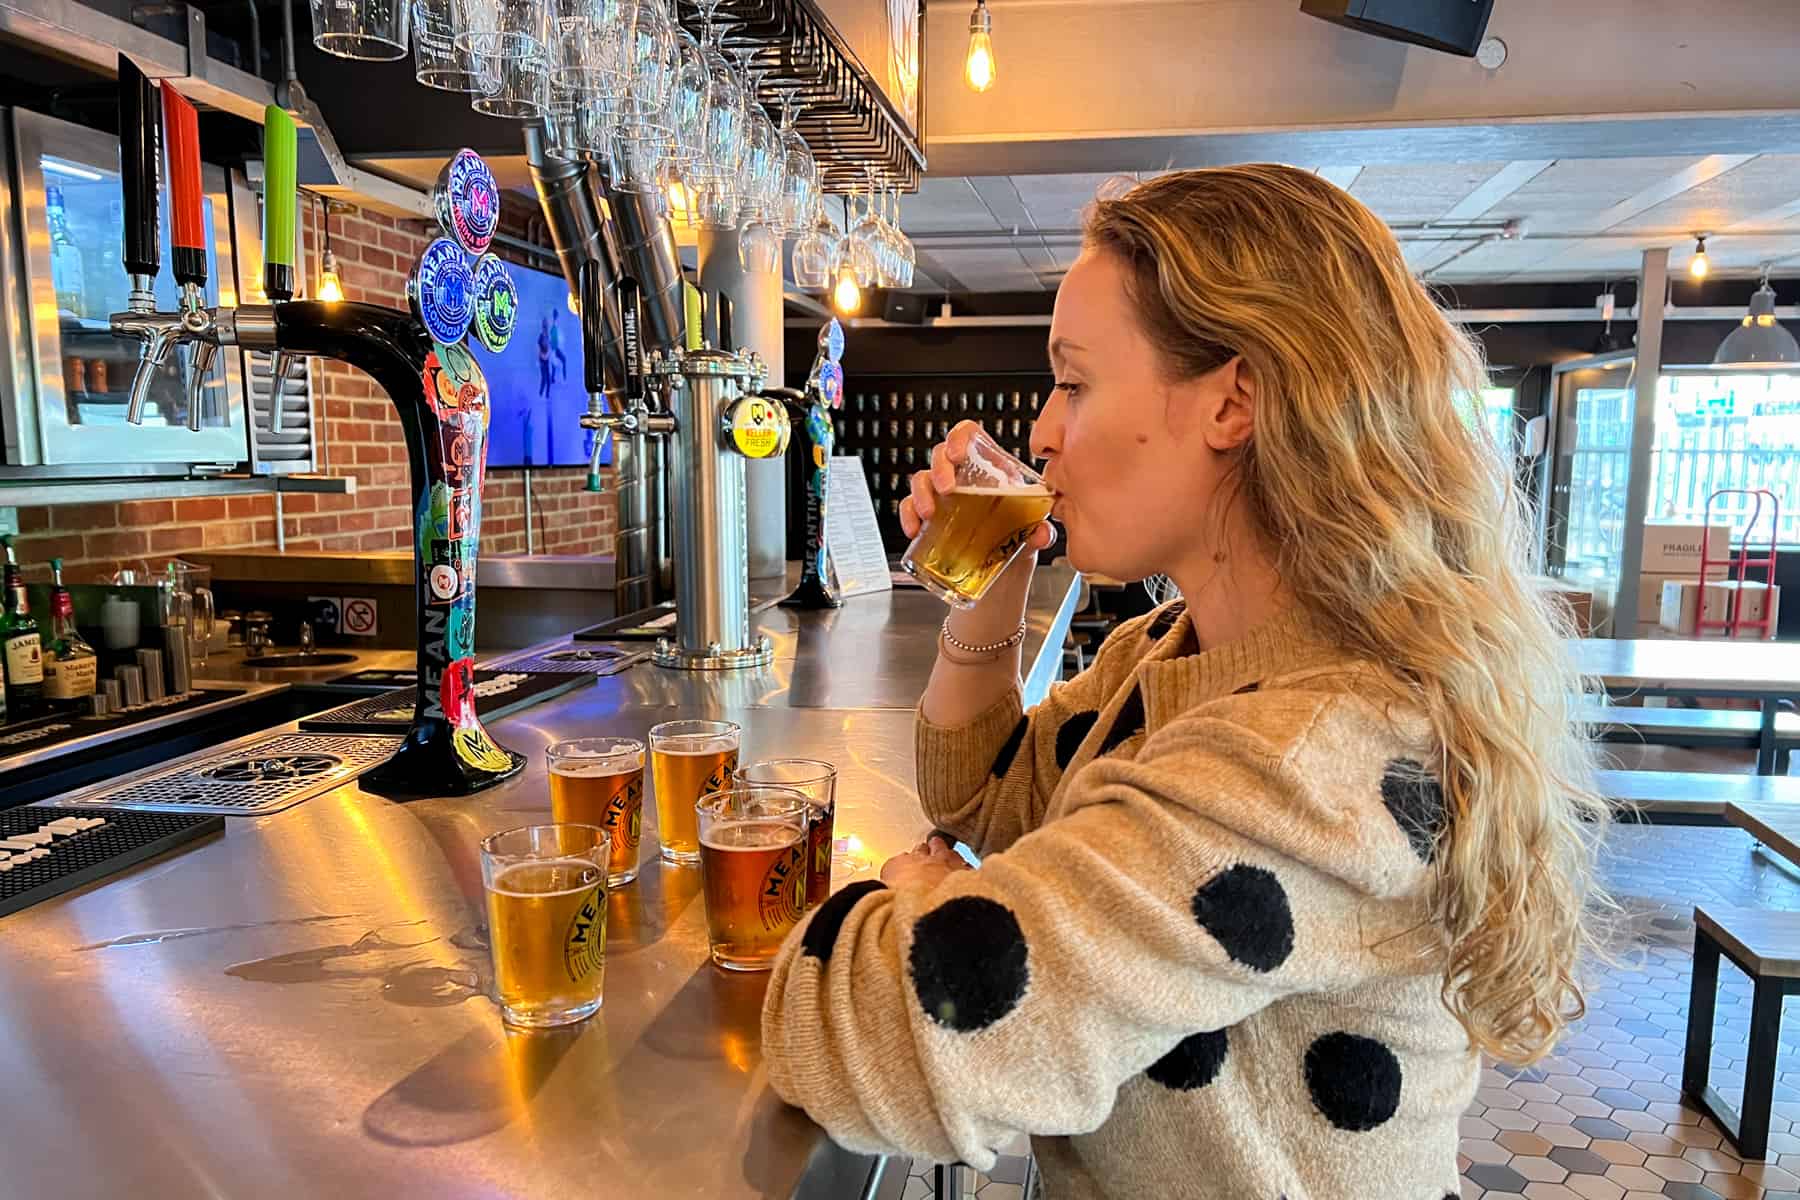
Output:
x,y
262,777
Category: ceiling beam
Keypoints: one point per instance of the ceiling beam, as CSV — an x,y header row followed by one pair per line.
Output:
x,y
1708,168
1497,187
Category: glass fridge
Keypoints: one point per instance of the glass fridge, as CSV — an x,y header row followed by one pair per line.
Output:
x,y
64,399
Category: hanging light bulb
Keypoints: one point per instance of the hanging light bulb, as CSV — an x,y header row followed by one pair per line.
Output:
x,y
1699,265
330,290
846,296
980,67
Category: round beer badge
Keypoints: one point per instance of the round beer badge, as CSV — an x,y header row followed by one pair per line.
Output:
x,y
468,201
496,303
831,384
834,340
440,290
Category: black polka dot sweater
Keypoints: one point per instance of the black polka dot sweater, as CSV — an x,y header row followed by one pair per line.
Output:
x,y
1195,961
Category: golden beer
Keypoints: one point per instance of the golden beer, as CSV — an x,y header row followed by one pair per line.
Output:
x,y
688,759
972,537
600,781
817,780
753,876
547,931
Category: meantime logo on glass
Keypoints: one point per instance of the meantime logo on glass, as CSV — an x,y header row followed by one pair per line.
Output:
x,y
783,897
584,946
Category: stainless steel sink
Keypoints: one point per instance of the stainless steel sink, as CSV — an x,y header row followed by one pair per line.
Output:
x,y
315,659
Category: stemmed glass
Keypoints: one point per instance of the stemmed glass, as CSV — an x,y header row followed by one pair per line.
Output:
x,y
760,180
814,248
727,115
800,190
688,100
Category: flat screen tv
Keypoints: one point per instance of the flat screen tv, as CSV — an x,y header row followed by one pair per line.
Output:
x,y
536,391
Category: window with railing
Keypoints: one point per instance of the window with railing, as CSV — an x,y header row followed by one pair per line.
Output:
x,y
1713,431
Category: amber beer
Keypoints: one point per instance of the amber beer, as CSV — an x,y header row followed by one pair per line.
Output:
x,y
973,535
600,781
817,781
546,908
688,760
752,872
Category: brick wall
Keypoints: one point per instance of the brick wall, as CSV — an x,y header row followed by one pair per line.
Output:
x,y
362,438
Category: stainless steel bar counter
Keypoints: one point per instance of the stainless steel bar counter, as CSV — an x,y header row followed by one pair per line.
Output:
x,y
299,1008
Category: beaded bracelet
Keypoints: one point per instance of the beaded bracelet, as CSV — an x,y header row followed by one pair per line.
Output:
x,y
971,655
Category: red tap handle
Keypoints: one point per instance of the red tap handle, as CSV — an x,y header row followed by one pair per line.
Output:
x,y
187,229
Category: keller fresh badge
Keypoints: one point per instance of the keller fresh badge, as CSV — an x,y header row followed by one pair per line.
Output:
x,y
759,427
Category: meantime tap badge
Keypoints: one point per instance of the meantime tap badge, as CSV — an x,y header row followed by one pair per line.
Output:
x,y
468,201
496,303
441,292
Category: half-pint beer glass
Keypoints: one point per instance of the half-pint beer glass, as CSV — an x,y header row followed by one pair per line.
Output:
x,y
980,525
600,781
752,871
817,780
688,759
546,909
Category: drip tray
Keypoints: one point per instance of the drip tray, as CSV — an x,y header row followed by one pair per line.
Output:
x,y
578,660
250,780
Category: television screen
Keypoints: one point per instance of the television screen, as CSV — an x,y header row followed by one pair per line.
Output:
x,y
536,388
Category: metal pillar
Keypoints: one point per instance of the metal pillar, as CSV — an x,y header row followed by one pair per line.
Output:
x,y
1653,282
756,325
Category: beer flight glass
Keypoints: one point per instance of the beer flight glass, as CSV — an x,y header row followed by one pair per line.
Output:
x,y
688,760
752,871
980,525
600,781
546,910
817,781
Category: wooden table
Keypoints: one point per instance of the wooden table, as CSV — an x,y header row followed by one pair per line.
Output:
x,y
1768,672
1773,823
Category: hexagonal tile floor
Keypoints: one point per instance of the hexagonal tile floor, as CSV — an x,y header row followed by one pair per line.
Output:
x,y
1603,1119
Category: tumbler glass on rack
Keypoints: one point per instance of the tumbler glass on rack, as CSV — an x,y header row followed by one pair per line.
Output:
x,y
649,62
759,246
812,252
437,61
366,30
515,88
641,160
719,206
587,45
560,119
492,29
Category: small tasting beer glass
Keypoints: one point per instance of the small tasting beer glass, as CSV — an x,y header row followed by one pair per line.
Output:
x,y
546,908
752,871
817,781
980,525
600,781
688,759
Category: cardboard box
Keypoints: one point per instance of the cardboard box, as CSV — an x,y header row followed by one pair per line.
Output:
x,y
1576,600
1684,605
1674,547
1650,588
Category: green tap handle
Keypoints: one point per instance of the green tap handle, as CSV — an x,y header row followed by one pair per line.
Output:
x,y
280,202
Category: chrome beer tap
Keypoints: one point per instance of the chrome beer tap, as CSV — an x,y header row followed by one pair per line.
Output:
x,y
634,419
143,109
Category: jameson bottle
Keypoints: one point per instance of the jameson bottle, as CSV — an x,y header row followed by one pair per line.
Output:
x,y
71,667
21,653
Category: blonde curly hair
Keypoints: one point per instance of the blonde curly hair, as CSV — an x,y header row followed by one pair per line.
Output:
x,y
1395,523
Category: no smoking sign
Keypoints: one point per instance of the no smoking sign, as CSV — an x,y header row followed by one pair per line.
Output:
x,y
359,617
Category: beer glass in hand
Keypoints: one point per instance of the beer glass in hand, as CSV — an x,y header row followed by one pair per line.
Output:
x,y
688,759
817,780
752,871
985,506
600,781
546,910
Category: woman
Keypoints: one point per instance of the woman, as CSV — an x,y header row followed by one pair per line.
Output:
x,y
1260,886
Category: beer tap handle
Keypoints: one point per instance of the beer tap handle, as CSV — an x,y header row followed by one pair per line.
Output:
x,y
593,326
280,207
205,352
727,340
631,311
187,225
140,170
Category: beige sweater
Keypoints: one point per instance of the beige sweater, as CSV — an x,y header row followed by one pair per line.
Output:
x,y
1193,963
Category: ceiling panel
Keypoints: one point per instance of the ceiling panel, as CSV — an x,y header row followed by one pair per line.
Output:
x,y
988,269
1763,183
1419,193
943,204
1056,201
1569,194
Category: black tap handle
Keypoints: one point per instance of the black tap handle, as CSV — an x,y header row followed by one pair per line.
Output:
x,y
140,166
631,311
725,331
593,325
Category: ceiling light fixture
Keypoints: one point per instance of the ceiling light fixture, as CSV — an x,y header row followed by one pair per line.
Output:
x,y
979,69
1759,343
846,296
1699,265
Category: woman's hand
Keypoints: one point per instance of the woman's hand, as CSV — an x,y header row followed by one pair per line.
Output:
x,y
940,477
924,865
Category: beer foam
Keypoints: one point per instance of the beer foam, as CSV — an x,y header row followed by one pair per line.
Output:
x,y
752,835
621,764
698,743
575,875
1005,489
